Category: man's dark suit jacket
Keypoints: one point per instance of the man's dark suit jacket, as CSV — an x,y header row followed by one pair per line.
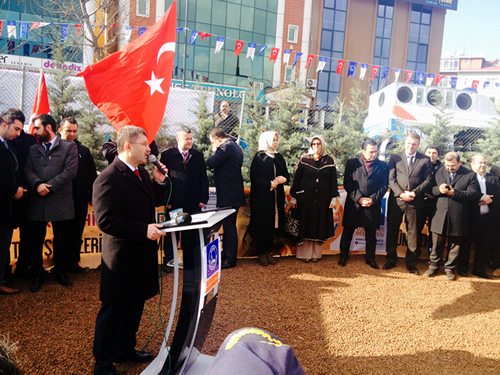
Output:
x,y
226,163
477,231
124,206
189,185
9,182
358,183
419,178
85,177
454,211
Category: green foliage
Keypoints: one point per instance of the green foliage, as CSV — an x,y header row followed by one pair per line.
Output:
x,y
357,111
62,93
489,146
205,125
90,132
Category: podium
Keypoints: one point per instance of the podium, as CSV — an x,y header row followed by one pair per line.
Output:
x,y
201,275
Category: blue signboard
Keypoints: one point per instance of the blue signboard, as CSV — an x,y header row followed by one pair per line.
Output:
x,y
231,93
448,4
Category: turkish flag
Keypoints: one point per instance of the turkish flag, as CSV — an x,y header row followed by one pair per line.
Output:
x,y
374,71
274,54
475,84
409,73
439,79
310,58
238,47
204,35
41,104
340,67
131,86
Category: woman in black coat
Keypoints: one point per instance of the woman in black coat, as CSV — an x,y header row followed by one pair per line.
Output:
x,y
268,173
315,193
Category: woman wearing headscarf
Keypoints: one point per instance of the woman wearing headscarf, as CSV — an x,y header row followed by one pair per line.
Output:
x,y
268,173
315,193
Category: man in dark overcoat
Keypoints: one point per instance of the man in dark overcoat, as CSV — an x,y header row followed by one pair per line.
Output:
x,y
124,204
495,250
410,177
82,191
226,119
11,125
52,165
226,161
188,173
483,221
365,181
455,187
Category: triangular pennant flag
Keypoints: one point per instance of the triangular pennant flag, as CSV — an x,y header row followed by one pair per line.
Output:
x,y
352,69
298,55
128,33
409,73
11,29
204,35
23,29
142,30
41,103
194,35
37,25
179,29
486,83
385,71
396,74
251,50
286,56
78,27
131,86
274,54
374,71
497,84
439,78
430,78
321,64
453,82
420,78
64,31
238,47
219,43
475,84
262,48
363,71
1,23
35,49
310,58
340,67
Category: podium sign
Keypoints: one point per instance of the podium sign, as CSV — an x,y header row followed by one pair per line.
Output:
x,y
211,266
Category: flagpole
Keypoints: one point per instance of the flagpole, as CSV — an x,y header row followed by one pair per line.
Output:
x,y
185,46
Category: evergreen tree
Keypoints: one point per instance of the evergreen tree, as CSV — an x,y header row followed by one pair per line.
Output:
x,y
489,145
205,125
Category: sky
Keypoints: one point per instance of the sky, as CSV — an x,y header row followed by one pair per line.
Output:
x,y
474,27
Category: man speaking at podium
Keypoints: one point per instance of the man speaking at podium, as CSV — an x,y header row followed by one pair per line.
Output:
x,y
124,204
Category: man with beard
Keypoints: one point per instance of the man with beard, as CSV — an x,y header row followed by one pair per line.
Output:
x,y
226,119
51,167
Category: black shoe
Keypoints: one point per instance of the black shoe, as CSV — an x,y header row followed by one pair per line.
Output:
x,y
484,275
225,265
373,265
413,270
462,273
36,284
342,262
388,266
62,279
78,269
107,371
137,357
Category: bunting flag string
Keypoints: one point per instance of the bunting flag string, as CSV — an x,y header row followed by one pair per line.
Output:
x,y
25,27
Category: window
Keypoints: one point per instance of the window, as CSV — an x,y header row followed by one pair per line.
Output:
x,y
289,73
418,43
293,32
142,8
383,34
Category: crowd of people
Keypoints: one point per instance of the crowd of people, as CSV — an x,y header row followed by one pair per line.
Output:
x,y
51,177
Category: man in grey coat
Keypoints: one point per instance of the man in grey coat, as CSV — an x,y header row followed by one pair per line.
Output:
x,y
455,187
51,167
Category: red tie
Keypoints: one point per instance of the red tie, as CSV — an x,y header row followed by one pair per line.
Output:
x,y
137,174
184,156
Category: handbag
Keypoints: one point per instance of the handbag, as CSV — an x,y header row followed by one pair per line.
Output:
x,y
292,224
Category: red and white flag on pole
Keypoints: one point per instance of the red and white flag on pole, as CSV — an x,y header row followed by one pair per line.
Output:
x,y
131,86
238,47
375,69
41,104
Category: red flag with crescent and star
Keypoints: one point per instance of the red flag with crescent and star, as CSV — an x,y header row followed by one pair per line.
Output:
x,y
340,67
131,86
238,47
41,103
475,84
374,71
310,58
409,73
274,54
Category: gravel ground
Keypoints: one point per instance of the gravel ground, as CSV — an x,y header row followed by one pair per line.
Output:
x,y
352,320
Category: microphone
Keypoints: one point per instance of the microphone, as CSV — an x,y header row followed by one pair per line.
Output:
x,y
182,219
152,159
